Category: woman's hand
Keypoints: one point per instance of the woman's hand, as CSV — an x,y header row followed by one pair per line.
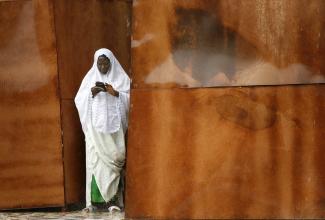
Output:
x,y
111,90
96,89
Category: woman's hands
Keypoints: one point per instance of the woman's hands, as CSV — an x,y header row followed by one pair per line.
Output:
x,y
111,90
96,89
101,87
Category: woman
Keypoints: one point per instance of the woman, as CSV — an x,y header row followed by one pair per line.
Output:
x,y
103,103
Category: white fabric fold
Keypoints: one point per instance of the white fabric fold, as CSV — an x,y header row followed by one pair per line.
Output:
x,y
104,112
104,120
104,162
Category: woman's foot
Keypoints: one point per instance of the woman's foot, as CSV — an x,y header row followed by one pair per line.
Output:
x,y
113,209
90,208
113,205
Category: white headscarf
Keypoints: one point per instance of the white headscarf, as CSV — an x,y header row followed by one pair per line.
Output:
x,y
104,112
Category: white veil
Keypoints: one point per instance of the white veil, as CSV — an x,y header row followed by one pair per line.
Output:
x,y
106,113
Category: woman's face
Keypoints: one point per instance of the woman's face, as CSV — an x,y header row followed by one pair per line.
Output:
x,y
103,64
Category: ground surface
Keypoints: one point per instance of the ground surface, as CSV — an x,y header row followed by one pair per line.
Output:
x,y
61,215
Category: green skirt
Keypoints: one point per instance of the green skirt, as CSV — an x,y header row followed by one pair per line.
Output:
x,y
96,196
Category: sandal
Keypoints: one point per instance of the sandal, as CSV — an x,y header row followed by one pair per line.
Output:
x,y
114,208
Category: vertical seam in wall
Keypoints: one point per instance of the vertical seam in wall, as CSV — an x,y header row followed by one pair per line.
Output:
x,y
60,98
130,5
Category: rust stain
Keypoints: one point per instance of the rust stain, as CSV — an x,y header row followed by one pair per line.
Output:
x,y
30,132
202,43
245,112
254,152
230,144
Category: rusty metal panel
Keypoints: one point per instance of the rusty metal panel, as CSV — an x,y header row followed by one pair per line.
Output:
x,y
82,27
227,153
74,154
254,152
31,170
207,43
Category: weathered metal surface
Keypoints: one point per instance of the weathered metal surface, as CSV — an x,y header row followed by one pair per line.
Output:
x,y
74,154
31,171
82,27
253,152
204,43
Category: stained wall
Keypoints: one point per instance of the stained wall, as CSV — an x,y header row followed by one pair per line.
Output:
x,y
207,43
82,27
227,152
31,167
46,48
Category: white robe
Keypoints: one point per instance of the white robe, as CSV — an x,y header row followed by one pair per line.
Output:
x,y
104,122
105,156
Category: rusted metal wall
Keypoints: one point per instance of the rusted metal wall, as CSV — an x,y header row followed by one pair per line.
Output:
x,y
31,171
82,27
43,41
204,43
227,153
251,152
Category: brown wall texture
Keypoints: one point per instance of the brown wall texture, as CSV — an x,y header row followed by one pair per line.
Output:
x,y
226,153
46,48
251,152
31,170
82,27
204,43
